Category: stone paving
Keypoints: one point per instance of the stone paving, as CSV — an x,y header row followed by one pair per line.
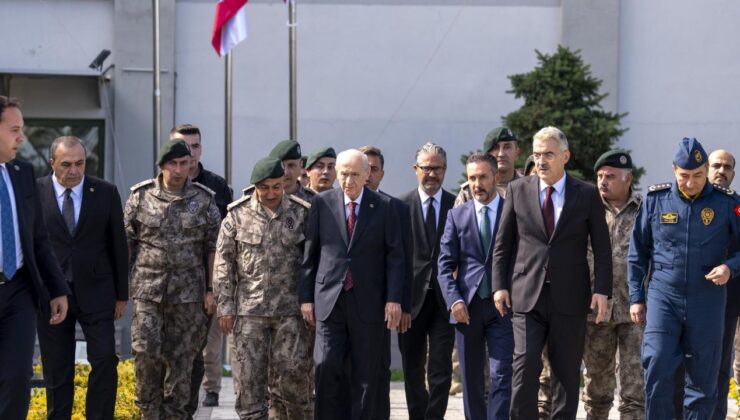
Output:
x,y
398,406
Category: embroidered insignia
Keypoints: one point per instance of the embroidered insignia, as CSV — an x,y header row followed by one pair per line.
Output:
x,y
193,206
228,226
697,156
707,215
289,223
669,217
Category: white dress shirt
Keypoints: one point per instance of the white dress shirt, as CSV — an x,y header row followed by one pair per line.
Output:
x,y
357,200
557,197
76,195
11,193
425,204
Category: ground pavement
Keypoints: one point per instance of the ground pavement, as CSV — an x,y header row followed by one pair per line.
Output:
x,y
398,405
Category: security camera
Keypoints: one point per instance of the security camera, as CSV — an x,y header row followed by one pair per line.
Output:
x,y
97,63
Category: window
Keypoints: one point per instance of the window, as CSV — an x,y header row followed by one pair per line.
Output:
x,y
42,132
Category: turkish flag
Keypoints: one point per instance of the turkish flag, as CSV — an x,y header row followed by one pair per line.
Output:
x,y
230,25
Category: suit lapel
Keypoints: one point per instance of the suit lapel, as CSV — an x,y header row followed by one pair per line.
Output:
x,y
418,219
50,200
336,205
88,191
535,208
367,209
571,198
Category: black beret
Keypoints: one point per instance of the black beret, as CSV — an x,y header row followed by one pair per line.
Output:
x,y
172,150
690,155
496,135
318,154
267,168
286,149
615,158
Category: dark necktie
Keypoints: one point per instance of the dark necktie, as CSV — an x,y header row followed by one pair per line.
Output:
x,y
430,223
8,229
548,211
351,220
484,290
68,211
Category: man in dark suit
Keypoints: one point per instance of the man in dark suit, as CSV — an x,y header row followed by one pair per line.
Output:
x,y
351,282
429,319
84,218
30,277
466,249
550,219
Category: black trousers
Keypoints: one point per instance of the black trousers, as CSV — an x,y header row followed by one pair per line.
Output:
x,y
57,343
564,336
343,335
430,327
17,336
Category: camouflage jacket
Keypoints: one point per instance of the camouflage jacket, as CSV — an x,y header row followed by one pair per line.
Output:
x,y
258,257
620,223
466,195
169,239
302,192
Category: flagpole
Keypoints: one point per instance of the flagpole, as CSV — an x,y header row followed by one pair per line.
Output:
x,y
228,128
157,109
293,62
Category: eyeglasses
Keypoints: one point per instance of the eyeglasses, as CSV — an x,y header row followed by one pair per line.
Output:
x,y
429,169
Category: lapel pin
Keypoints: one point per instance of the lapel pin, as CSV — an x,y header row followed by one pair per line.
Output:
x,y
92,189
372,205
16,167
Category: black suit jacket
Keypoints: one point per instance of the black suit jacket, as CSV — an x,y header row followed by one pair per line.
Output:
x,y
374,255
97,253
425,252
560,259
408,248
46,276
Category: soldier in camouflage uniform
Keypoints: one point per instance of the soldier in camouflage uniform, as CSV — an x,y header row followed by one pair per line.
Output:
x,y
171,227
502,145
289,152
259,250
616,333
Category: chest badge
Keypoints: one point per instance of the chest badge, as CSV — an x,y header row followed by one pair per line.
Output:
x,y
192,206
669,217
707,215
289,223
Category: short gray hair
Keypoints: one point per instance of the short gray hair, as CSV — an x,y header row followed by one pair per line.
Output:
x,y
349,154
66,141
431,149
551,132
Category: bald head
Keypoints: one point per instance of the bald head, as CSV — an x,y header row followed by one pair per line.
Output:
x,y
353,170
721,168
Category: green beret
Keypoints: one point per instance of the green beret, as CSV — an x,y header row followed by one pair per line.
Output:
x,y
286,149
496,135
528,164
304,158
267,168
172,150
318,154
615,158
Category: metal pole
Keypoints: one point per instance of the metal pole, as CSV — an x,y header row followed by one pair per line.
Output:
x,y
293,62
228,128
157,122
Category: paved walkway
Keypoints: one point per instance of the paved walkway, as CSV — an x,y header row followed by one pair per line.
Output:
x,y
398,406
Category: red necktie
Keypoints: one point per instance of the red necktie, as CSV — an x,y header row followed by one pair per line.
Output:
x,y
548,211
351,220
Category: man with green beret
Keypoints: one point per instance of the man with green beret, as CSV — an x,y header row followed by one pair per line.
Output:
x,y
321,167
260,247
529,166
289,152
171,227
502,145
304,179
616,332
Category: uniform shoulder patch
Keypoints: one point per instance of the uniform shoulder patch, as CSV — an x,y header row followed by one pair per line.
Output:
x,y
659,187
203,187
249,190
300,201
728,191
464,185
244,199
142,184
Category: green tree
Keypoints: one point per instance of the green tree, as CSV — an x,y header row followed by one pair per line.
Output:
x,y
562,92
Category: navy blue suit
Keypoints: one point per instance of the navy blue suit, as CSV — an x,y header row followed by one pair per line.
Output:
x,y
38,280
461,250
350,324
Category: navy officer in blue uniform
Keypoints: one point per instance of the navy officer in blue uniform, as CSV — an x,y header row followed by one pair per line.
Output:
x,y
681,247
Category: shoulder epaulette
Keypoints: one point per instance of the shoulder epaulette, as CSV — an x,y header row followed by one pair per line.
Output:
x,y
203,187
237,202
141,184
249,190
464,185
728,191
300,201
659,187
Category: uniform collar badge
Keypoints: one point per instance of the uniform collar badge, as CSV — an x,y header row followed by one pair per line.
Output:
x,y
289,223
669,217
707,215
